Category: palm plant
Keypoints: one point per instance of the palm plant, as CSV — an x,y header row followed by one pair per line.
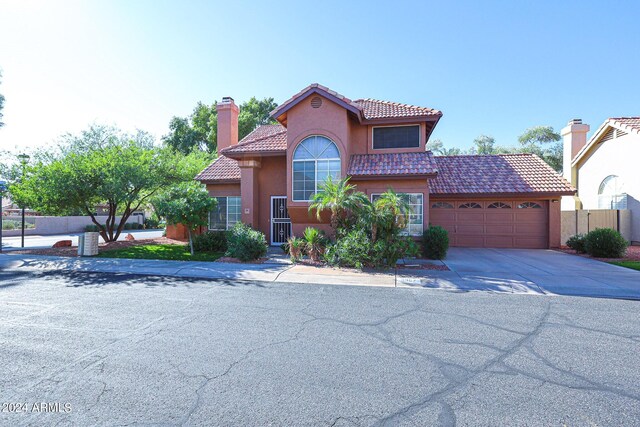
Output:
x,y
388,214
314,243
339,197
296,246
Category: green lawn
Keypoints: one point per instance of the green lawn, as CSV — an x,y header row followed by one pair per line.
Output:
x,y
629,264
171,252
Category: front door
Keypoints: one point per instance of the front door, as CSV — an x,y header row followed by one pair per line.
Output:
x,y
280,221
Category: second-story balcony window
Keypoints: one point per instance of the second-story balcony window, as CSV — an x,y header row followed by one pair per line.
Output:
x,y
396,137
315,158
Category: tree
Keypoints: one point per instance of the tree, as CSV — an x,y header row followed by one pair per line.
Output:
x,y
483,144
438,148
199,131
103,165
1,105
188,204
339,197
543,141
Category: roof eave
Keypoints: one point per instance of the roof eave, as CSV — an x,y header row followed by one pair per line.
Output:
x,y
282,109
219,181
244,155
361,177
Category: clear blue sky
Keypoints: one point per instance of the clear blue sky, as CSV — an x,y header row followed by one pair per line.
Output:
x,y
493,68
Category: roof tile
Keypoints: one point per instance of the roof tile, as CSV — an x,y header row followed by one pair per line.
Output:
x,y
222,169
264,138
627,123
506,173
375,109
421,163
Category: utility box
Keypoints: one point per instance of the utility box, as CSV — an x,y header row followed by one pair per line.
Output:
x,y
88,244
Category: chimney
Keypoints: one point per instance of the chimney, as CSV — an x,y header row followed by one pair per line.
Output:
x,y
227,123
574,137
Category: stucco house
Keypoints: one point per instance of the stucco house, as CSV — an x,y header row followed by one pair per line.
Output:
x,y
267,178
604,168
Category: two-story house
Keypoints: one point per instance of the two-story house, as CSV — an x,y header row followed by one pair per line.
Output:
x,y
267,179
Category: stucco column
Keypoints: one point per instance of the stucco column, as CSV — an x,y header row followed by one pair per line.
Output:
x,y
574,138
249,191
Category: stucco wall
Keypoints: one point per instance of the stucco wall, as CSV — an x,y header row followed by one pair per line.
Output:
x,y
618,156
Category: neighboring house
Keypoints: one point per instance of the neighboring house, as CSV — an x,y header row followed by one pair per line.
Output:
x,y
266,179
604,168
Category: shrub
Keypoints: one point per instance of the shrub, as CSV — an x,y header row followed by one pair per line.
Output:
x,y
296,247
351,250
127,226
577,243
605,243
151,223
435,242
91,228
210,241
245,243
9,224
314,243
386,253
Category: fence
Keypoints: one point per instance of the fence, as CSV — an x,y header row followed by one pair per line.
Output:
x,y
43,225
583,221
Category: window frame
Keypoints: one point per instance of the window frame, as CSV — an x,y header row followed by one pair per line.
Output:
x,y
239,219
407,233
315,165
614,199
373,143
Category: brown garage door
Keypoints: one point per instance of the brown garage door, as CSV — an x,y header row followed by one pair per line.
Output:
x,y
493,223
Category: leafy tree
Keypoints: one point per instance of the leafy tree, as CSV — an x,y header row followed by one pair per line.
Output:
x,y
199,131
188,204
543,141
1,105
438,148
340,198
484,144
103,165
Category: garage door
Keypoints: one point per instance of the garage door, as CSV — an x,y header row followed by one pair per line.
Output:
x,y
494,223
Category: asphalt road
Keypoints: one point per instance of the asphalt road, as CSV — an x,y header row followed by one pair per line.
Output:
x,y
104,349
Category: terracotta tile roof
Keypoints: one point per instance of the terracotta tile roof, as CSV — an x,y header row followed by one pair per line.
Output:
x,y
627,123
318,88
264,138
374,109
392,164
506,173
222,169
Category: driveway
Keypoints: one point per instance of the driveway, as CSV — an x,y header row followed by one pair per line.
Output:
x,y
530,271
117,349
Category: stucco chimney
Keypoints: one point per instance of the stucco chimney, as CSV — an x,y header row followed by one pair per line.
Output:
x,y
227,123
574,137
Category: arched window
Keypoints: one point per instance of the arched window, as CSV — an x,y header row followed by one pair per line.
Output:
x,y
611,194
442,205
470,205
529,205
314,160
499,205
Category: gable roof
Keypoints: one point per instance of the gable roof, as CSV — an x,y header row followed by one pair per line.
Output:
x,y
364,109
374,109
624,124
502,173
223,169
392,164
264,140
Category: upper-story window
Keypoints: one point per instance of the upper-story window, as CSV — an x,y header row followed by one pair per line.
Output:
x,y
611,194
314,160
396,137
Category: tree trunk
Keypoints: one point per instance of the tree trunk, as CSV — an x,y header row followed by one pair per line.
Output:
x,y
190,240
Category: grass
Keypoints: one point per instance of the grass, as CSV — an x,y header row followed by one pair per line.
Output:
x,y
635,265
166,252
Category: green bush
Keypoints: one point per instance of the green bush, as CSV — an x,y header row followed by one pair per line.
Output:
x,y
435,242
127,226
386,253
210,241
9,224
295,248
577,243
245,243
605,243
151,223
91,228
351,250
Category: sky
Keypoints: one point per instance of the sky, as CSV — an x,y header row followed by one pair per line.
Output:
x,y
491,67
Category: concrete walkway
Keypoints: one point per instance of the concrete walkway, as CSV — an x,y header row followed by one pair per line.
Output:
x,y
535,272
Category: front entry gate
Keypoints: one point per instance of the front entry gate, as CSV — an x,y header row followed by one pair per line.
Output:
x,y
280,221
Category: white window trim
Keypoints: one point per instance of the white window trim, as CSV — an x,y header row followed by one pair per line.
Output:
x,y
397,126
226,216
315,178
406,233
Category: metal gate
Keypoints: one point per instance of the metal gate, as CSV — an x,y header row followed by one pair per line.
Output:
x,y
280,221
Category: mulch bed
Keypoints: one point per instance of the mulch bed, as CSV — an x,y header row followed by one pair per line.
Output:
x,y
72,251
633,254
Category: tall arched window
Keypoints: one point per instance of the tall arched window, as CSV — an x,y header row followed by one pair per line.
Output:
x,y
314,159
611,194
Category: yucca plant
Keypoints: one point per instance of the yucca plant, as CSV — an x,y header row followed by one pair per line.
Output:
x,y
314,243
296,247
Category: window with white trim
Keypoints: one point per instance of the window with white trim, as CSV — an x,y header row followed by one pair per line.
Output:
x,y
611,194
227,212
315,158
416,212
